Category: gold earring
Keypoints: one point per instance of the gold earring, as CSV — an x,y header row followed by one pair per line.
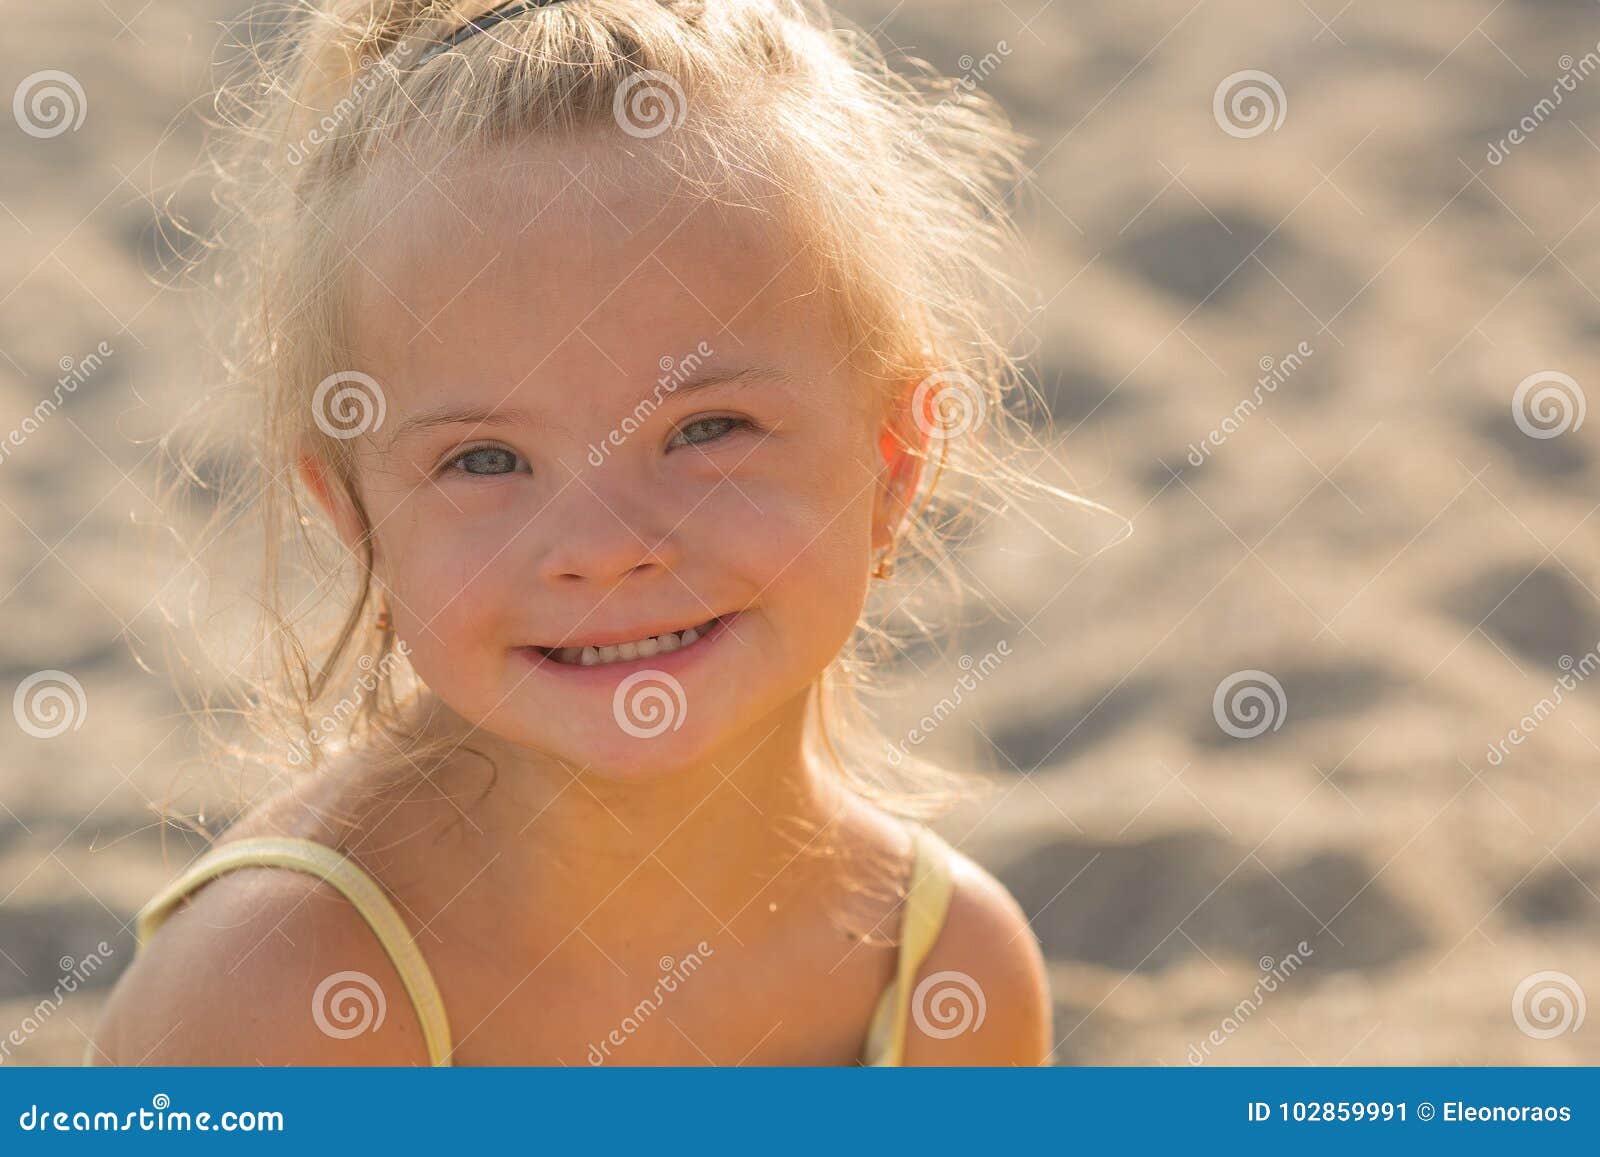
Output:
x,y
885,567
385,623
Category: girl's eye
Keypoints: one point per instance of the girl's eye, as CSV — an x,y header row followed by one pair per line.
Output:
x,y
485,460
703,430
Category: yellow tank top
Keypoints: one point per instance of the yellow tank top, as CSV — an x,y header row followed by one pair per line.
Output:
x,y
926,904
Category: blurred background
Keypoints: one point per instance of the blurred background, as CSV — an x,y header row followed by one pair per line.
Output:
x,y
1306,770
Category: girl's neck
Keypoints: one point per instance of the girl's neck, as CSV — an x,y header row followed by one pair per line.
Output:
x,y
622,859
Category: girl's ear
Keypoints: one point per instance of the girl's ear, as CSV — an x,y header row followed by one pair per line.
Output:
x,y
902,446
329,494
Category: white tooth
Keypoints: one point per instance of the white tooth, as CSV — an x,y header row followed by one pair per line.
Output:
x,y
649,647
669,642
627,650
608,653
690,636
589,657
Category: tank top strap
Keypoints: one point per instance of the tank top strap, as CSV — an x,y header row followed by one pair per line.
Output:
x,y
341,873
927,903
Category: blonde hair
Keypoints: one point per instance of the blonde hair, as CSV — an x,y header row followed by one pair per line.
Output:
x,y
897,176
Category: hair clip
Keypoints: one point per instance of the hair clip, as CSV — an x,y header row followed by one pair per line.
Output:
x,y
488,20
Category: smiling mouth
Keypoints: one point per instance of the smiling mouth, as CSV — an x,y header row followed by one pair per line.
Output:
x,y
594,656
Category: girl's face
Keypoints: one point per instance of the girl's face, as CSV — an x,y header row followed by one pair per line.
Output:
x,y
607,420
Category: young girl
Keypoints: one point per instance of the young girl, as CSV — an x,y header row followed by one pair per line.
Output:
x,y
611,339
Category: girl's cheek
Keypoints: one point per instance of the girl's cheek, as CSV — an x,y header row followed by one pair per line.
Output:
x,y
444,570
813,547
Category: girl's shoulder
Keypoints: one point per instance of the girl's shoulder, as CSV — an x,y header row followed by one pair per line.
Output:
x,y
981,994
259,967
263,966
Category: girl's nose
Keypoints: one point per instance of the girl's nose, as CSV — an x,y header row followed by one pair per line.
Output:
x,y
602,539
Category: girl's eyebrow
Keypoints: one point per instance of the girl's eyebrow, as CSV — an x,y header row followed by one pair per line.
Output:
x,y
477,416
740,377
459,415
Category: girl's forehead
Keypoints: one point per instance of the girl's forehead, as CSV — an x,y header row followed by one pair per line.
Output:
x,y
547,204
584,189
590,275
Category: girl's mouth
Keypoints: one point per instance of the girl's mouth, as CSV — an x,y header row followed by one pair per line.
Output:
x,y
649,647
